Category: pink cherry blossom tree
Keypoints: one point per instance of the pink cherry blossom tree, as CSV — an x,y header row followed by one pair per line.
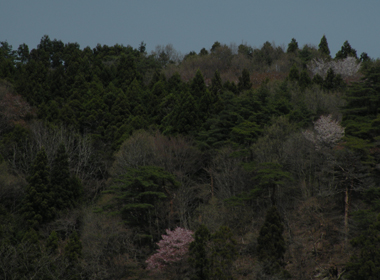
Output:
x,y
173,247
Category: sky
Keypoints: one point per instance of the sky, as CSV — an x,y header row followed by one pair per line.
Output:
x,y
193,24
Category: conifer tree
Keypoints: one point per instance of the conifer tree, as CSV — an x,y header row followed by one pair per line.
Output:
x,y
142,198
184,118
223,254
294,73
271,243
73,249
60,179
198,254
304,80
198,86
66,189
346,51
366,265
292,46
38,204
216,84
52,242
244,81
323,47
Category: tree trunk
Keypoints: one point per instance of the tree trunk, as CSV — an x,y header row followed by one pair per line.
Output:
x,y
346,210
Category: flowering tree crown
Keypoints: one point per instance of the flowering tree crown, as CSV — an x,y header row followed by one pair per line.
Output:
x,y
173,247
327,132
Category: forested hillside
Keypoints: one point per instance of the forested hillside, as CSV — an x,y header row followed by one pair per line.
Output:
x,y
232,162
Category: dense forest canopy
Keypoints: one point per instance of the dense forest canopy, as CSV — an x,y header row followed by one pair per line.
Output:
x,y
259,163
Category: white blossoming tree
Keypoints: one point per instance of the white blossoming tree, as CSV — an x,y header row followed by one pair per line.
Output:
x,y
327,132
345,67
173,247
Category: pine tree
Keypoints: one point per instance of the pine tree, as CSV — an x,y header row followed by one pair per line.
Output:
x,y
198,86
184,118
142,198
223,254
38,204
271,244
304,80
198,254
346,51
294,73
366,265
244,81
52,242
66,189
323,46
73,249
216,84
292,46
60,179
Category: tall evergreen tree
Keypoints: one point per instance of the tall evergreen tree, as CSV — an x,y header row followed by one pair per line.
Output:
x,y
323,47
304,80
66,189
73,249
38,204
271,244
346,51
184,118
366,265
294,74
223,254
198,254
244,81
142,198
292,46
198,86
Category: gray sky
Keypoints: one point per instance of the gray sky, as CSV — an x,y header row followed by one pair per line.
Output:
x,y
193,24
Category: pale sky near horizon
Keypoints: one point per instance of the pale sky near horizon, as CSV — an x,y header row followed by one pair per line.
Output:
x,y
193,25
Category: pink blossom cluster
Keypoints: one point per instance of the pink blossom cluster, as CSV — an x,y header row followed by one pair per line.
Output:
x,y
173,246
327,132
346,67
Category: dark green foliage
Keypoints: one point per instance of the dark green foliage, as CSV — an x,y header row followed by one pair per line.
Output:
x,y
317,80
364,57
323,47
73,249
366,265
184,118
306,55
245,50
52,242
66,189
304,80
271,244
142,197
333,81
292,46
346,51
223,254
215,46
203,52
363,103
198,86
244,81
38,204
270,175
198,254
294,74
216,84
